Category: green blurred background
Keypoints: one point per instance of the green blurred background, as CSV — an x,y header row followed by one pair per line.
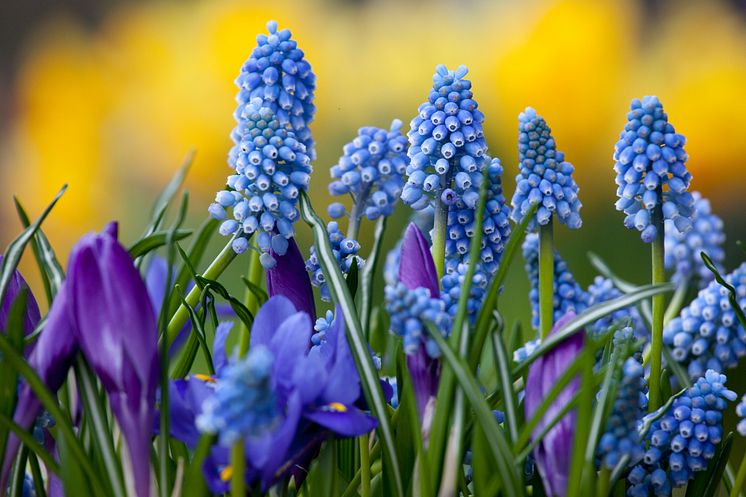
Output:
x,y
109,96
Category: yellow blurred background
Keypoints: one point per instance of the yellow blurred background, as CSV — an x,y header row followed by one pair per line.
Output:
x,y
112,107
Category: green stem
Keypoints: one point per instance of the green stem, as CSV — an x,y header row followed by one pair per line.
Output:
x,y
740,478
238,465
579,478
252,303
215,269
656,347
440,224
602,484
546,278
353,227
364,466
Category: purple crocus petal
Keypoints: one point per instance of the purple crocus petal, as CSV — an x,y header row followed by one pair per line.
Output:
x,y
117,332
417,268
269,317
344,420
219,355
425,374
344,382
31,315
554,452
290,278
311,377
51,359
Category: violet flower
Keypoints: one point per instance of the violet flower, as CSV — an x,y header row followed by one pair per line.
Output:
x,y
31,316
290,279
554,451
417,270
103,310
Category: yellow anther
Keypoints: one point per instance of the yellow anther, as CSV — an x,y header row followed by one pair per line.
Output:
x,y
204,377
337,407
227,473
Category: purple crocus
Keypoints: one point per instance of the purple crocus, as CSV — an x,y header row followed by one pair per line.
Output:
x,y
31,316
554,451
289,278
103,310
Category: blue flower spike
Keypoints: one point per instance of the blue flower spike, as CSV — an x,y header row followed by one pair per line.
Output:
x,y
707,333
544,177
345,251
682,250
741,413
278,74
271,169
446,144
409,310
371,170
650,165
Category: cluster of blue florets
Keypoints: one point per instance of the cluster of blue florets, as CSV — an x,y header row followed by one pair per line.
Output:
x,y
684,439
278,74
371,171
345,252
521,353
544,177
271,169
446,144
568,295
707,333
682,250
320,328
741,413
650,166
244,402
621,437
495,226
409,310
453,283
602,290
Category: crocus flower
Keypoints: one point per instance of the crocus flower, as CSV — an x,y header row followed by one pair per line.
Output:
x,y
554,451
103,310
31,314
288,278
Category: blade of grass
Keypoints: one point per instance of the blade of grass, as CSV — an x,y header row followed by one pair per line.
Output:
x,y
167,194
502,364
155,241
369,270
356,337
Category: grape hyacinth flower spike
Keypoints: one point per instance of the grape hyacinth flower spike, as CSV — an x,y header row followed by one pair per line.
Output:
x,y
446,151
272,168
652,183
682,250
371,170
412,302
278,74
103,310
345,251
545,180
554,451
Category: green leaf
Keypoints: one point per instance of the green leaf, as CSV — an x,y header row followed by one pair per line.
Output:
x,y
369,270
258,292
8,375
15,249
243,313
591,315
155,241
356,337
352,279
706,483
509,472
194,482
29,441
502,364
168,193
198,330
732,295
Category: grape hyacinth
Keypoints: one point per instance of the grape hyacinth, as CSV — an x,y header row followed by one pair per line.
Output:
x,y
410,309
602,290
621,437
568,295
707,333
682,249
371,170
453,283
544,177
278,74
684,439
651,172
345,251
741,413
244,403
447,144
495,226
272,167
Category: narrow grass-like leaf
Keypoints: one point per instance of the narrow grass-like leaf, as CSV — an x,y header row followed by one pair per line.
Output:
x,y
29,441
15,249
168,193
8,375
706,483
368,272
196,251
257,291
591,315
37,477
198,330
732,296
356,337
498,445
243,313
490,300
155,241
352,280
49,402
36,245
647,421
502,366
